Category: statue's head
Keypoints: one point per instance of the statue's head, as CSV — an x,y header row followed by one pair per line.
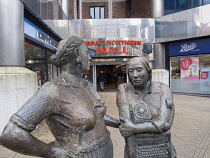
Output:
x,y
72,51
139,71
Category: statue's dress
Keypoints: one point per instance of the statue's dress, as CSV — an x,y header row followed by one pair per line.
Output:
x,y
74,113
153,142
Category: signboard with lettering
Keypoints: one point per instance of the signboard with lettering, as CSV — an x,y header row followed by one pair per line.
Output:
x,y
191,47
105,47
38,34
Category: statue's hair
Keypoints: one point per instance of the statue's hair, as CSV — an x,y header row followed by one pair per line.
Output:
x,y
145,62
67,49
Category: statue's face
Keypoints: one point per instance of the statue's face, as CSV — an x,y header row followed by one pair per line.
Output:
x,y
137,73
85,58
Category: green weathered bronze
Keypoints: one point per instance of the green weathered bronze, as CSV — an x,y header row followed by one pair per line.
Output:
x,y
73,110
146,111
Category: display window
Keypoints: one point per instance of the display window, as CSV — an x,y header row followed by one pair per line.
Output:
x,y
190,74
37,60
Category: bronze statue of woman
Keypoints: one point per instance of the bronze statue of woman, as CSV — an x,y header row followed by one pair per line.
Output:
x,y
73,110
146,112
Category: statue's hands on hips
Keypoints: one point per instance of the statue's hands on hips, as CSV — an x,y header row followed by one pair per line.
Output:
x,y
57,152
126,127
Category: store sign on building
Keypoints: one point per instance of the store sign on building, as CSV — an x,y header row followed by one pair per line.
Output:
x,y
114,47
38,34
46,39
191,47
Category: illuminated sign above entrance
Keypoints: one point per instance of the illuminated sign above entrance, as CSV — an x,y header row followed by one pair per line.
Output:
x,y
113,46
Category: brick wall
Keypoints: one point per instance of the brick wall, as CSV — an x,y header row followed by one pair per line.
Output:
x,y
71,9
86,8
119,10
140,9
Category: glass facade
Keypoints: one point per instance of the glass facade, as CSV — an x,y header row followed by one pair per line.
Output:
x,y
37,60
173,6
46,9
190,74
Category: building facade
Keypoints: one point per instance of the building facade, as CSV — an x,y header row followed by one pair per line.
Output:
x,y
165,23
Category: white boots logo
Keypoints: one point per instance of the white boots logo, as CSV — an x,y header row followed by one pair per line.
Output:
x,y
186,48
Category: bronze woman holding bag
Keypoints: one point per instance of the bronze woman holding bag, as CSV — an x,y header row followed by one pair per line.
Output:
x,y
146,112
73,110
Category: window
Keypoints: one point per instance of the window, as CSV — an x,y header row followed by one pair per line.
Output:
x,y
195,3
97,12
206,2
172,6
169,7
181,5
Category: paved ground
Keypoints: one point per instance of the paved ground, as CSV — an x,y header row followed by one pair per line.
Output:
x,y
190,131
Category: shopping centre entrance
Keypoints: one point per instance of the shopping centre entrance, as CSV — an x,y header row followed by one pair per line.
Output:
x,y
115,75
115,72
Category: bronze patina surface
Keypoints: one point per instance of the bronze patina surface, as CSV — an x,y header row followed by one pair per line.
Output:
x,y
73,110
146,112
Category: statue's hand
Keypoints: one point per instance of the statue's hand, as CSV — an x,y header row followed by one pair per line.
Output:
x,y
57,152
126,127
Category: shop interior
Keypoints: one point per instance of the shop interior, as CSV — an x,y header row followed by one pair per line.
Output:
x,y
37,60
204,62
194,78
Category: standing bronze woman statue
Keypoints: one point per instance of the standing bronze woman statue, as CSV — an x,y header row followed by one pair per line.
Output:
x,y
73,110
146,112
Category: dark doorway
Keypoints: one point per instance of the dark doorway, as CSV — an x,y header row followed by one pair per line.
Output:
x,y
115,75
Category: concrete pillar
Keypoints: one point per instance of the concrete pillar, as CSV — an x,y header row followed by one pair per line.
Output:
x,y
17,83
94,77
12,33
65,8
75,9
157,8
80,9
158,72
159,56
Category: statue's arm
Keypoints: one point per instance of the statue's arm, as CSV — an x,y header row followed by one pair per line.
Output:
x,y
17,134
170,108
112,122
21,141
154,126
122,102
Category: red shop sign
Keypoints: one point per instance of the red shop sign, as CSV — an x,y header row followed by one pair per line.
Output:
x,y
204,75
185,63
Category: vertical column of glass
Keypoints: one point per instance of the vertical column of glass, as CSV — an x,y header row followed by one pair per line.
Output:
x,y
11,33
65,8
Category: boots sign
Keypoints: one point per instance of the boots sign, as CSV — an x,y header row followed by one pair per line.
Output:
x,y
112,46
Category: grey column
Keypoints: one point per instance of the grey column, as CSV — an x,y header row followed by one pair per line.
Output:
x,y
12,33
159,56
110,9
65,8
75,9
157,8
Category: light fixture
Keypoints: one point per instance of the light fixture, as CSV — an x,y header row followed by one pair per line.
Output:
x,y
30,60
